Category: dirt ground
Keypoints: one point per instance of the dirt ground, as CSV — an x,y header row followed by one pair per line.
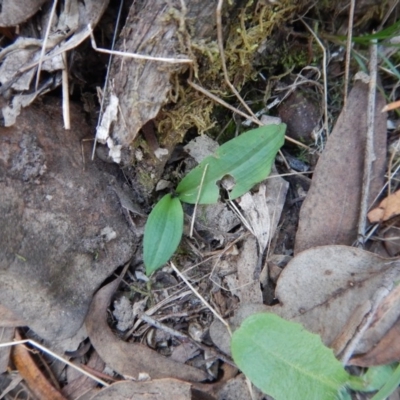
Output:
x,y
91,144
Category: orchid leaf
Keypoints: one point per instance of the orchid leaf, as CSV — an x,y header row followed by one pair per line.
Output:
x,y
162,233
247,159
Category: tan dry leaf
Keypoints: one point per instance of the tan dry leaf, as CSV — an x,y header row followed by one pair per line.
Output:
x,y
130,359
15,12
330,212
386,351
33,376
324,287
389,207
161,389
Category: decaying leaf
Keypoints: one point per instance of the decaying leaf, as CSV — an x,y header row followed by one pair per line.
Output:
x,y
20,59
387,351
32,375
330,212
82,384
160,389
130,359
324,286
14,12
389,207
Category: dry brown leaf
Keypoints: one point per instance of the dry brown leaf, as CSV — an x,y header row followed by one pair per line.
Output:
x,y
83,384
32,375
130,359
385,317
161,389
14,12
6,335
325,287
386,351
330,212
389,207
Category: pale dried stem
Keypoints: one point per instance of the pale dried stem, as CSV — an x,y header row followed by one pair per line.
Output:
x,y
56,356
65,93
348,50
223,62
197,200
235,110
201,298
45,39
324,75
369,145
138,56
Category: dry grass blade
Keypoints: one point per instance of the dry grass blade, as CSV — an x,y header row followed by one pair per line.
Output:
x,y
222,55
325,75
348,50
45,39
202,299
138,56
369,147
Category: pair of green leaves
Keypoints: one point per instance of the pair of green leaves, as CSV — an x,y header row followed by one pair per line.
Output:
x,y
247,159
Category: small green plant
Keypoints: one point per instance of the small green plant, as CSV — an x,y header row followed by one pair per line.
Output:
x,y
247,159
287,362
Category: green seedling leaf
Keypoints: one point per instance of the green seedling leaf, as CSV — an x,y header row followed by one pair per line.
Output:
x,y
162,233
285,361
247,159
372,380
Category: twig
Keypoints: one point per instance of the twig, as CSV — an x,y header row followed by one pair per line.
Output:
x,y
197,200
56,356
235,110
348,50
138,56
369,145
223,62
202,299
324,73
65,93
46,37
159,325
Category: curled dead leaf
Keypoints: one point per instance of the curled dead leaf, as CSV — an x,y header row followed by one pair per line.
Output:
x,y
130,359
33,376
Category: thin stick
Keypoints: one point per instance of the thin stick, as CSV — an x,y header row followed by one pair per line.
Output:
x,y
107,76
65,93
46,37
324,73
197,201
348,50
202,299
235,110
56,356
223,62
369,145
138,56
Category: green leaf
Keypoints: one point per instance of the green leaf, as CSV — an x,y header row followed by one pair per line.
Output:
x,y
162,233
285,361
372,380
247,158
